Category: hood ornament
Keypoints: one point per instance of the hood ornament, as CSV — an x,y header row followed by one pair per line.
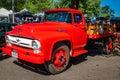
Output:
x,y
17,40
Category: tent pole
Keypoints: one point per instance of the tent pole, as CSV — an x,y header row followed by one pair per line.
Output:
x,y
13,17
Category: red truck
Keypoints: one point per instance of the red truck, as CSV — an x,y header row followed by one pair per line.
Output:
x,y
61,35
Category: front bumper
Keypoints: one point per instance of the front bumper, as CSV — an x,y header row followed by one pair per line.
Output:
x,y
24,54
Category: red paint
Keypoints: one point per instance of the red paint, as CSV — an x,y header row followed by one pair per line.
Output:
x,y
60,58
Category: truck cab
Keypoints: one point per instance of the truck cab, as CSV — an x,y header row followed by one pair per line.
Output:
x,y
61,35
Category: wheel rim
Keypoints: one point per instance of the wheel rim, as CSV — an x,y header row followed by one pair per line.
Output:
x,y
60,58
109,46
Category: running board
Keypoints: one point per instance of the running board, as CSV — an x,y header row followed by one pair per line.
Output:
x,y
79,52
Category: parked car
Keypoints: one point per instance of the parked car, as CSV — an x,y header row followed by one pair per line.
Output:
x,y
5,27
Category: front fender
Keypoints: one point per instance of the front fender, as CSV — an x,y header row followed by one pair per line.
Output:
x,y
48,39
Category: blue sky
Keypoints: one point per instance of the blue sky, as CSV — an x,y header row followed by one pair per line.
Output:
x,y
114,4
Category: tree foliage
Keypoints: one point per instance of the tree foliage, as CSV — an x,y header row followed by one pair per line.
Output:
x,y
6,4
62,4
75,3
90,7
38,5
32,5
18,4
107,11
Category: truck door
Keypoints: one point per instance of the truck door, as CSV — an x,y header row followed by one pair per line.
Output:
x,y
79,34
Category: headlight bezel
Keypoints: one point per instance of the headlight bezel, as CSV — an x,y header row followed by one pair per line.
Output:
x,y
36,46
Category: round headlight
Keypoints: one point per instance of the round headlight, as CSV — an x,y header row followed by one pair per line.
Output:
x,y
35,45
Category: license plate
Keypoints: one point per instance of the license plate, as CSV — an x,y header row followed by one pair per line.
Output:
x,y
14,54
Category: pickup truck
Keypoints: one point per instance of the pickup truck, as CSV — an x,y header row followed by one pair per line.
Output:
x,y
60,36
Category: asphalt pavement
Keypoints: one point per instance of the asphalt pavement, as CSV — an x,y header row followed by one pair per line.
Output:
x,y
94,67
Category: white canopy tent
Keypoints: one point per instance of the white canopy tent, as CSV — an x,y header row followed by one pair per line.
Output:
x,y
23,10
1,15
4,12
4,15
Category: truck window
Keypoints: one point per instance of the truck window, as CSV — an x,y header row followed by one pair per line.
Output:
x,y
77,18
59,17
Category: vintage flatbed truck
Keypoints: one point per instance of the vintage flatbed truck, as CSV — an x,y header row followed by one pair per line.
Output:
x,y
52,42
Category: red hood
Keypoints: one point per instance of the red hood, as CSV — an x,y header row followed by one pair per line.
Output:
x,y
36,28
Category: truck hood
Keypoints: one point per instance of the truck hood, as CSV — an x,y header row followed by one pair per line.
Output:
x,y
35,28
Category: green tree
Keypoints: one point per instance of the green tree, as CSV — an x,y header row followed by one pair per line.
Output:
x,y
32,5
62,4
75,3
107,11
6,4
18,4
38,5
90,7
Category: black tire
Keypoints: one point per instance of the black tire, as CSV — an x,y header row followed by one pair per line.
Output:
x,y
60,60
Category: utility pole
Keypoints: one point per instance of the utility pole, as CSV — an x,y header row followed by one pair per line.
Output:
x,y
13,16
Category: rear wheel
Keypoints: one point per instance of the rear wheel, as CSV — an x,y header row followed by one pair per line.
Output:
x,y
108,46
60,59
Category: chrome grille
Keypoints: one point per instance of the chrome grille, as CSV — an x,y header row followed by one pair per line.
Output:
x,y
24,42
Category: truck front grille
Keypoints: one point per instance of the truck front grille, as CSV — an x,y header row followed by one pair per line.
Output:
x,y
23,42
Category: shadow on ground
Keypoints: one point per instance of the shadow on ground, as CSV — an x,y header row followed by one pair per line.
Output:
x,y
40,69
32,67
3,57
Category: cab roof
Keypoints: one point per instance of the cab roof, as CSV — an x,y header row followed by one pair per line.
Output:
x,y
64,9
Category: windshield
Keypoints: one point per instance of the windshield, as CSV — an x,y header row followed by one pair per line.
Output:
x,y
59,17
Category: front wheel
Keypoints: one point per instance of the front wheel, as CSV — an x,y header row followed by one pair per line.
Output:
x,y
60,59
